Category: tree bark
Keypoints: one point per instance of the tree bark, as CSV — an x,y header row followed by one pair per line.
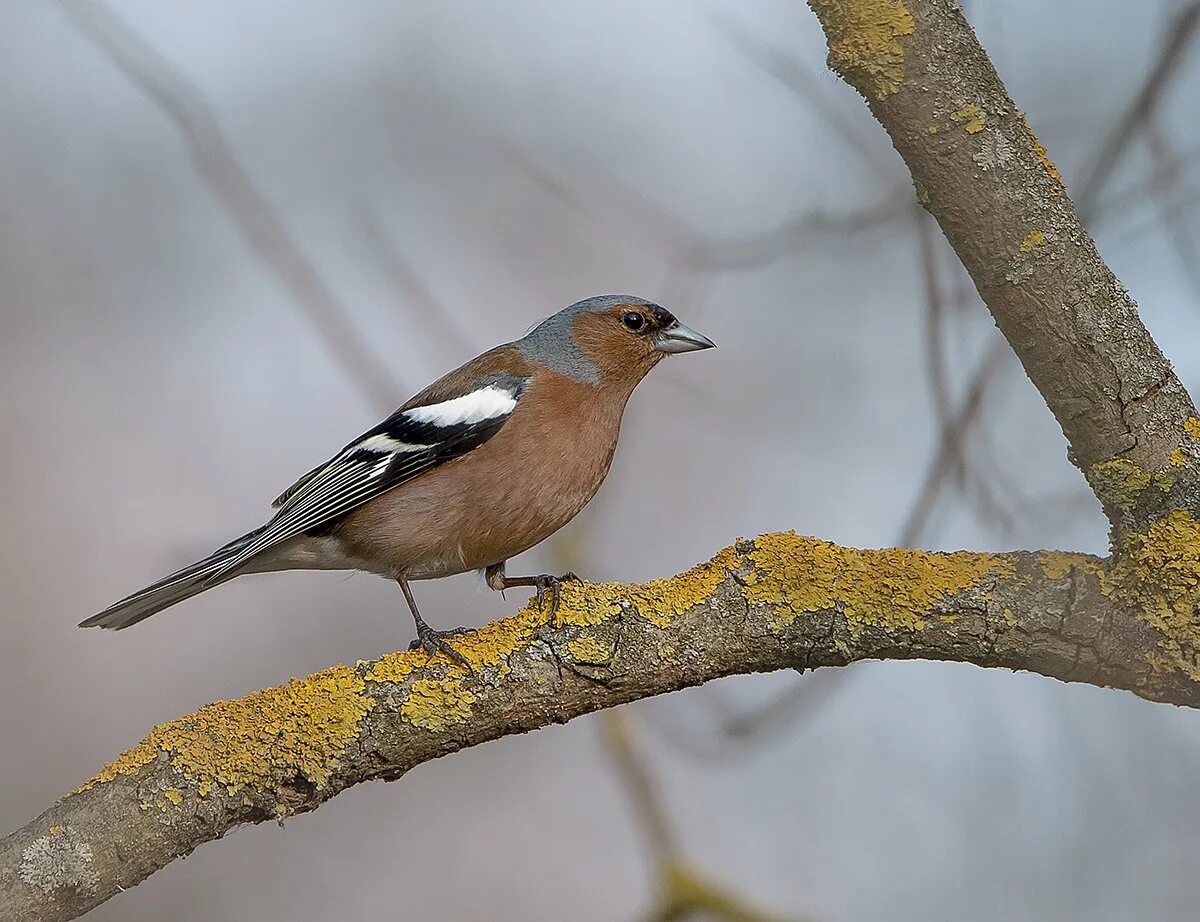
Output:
x,y
779,602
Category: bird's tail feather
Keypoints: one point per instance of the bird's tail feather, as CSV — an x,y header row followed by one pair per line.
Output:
x,y
180,585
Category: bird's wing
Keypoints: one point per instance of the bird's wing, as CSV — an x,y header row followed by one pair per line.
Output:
x,y
417,437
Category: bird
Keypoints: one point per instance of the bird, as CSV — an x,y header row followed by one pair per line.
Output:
x,y
482,465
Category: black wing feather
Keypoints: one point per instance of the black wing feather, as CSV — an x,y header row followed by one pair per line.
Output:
x,y
365,469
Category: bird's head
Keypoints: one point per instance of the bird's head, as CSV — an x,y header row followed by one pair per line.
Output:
x,y
610,339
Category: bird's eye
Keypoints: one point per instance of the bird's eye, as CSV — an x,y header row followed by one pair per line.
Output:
x,y
633,321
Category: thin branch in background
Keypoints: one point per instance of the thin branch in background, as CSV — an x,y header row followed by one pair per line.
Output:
x,y
970,480
684,894
684,249
1179,233
1123,202
950,443
989,482
794,235
1179,36
411,288
644,797
787,709
258,222
792,74
739,731
638,215
935,319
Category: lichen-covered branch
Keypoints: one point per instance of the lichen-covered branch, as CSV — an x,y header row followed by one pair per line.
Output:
x,y
779,602
1002,204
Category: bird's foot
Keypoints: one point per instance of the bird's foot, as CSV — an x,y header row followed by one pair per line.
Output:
x,y
546,583
435,642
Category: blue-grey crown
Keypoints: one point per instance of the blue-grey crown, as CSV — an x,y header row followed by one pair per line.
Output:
x,y
552,342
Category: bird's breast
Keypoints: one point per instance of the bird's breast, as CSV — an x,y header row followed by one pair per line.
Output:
x,y
502,498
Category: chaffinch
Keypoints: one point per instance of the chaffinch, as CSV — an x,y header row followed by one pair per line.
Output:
x,y
485,463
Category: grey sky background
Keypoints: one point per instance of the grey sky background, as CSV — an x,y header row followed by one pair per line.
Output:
x,y
158,386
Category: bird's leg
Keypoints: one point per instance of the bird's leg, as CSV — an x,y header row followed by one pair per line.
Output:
x,y
430,640
543,584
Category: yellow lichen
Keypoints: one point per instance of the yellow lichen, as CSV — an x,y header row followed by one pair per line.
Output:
x,y
1118,483
1040,152
1032,241
1157,574
970,117
580,605
488,646
663,599
1192,427
864,38
1177,457
261,741
435,704
1057,564
658,601
590,649
894,589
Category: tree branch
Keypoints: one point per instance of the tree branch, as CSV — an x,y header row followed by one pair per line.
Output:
x,y
779,602
980,171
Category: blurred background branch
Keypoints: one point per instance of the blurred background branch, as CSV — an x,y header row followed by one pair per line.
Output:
x,y
259,223
684,894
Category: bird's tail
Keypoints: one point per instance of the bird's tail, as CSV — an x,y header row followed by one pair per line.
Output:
x,y
183,584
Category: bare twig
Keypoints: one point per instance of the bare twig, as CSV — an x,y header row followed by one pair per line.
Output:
x,y
736,731
258,222
410,286
950,441
935,317
791,238
685,894
1123,202
789,71
1179,35
645,799
1179,234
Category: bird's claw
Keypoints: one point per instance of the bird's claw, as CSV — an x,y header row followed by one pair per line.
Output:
x,y
434,642
553,584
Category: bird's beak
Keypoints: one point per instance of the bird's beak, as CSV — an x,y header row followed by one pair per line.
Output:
x,y
680,338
